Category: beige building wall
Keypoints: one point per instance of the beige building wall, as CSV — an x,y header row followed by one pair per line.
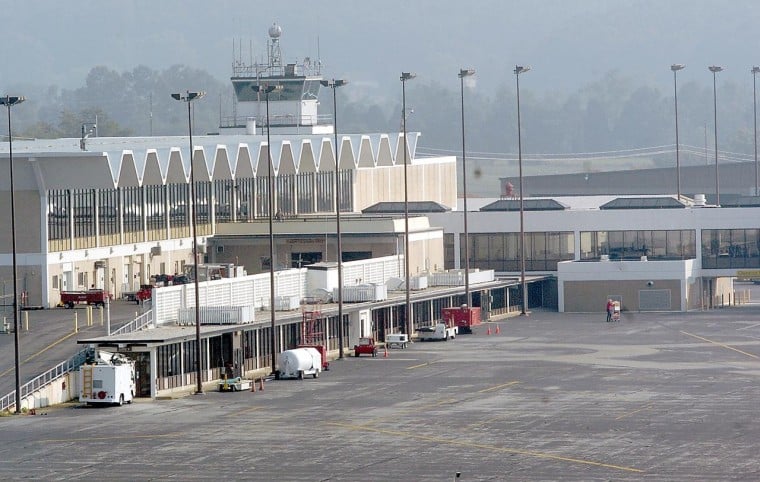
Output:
x,y
591,296
426,182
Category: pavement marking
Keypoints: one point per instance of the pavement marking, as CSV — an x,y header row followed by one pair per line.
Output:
x,y
633,412
420,365
490,389
722,345
251,409
494,448
748,327
115,437
30,357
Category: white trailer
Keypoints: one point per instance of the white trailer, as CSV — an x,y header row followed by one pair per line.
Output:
x,y
108,379
299,362
396,340
438,331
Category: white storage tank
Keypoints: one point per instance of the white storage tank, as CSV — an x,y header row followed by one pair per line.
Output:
x,y
298,363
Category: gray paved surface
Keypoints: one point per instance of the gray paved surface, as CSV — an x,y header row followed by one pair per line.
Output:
x,y
552,397
51,339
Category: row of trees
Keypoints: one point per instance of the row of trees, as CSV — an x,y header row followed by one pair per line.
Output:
x,y
610,114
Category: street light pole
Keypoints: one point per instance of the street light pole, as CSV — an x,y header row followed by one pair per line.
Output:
x,y
188,97
462,74
519,69
9,101
334,84
408,304
715,69
675,68
755,70
266,90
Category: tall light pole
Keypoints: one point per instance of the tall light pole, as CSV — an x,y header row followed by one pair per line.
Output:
x,y
675,68
462,74
755,70
715,69
9,101
520,69
334,84
405,76
188,97
266,90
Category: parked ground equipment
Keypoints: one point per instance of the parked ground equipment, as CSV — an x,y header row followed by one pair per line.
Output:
x,y
396,340
322,352
463,317
90,297
107,379
366,346
298,363
234,384
439,331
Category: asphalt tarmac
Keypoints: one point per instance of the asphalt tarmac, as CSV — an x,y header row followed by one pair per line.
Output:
x,y
552,396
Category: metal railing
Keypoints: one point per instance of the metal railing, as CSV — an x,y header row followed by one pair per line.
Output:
x,y
45,379
141,322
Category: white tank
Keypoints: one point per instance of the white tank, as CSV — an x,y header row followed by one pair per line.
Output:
x,y
300,362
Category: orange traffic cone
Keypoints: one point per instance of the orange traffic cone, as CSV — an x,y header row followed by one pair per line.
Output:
x,y
488,331
385,355
261,384
253,385
497,329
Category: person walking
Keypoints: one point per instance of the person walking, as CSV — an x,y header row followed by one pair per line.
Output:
x,y
610,308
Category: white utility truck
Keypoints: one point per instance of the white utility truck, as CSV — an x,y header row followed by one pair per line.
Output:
x,y
438,331
299,362
108,378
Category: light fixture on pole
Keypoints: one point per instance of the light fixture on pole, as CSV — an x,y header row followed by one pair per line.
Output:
x,y
675,68
405,76
9,101
715,69
462,74
189,97
334,84
266,90
519,69
755,70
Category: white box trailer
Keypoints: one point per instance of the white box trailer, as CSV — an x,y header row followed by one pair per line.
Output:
x,y
299,362
396,340
109,379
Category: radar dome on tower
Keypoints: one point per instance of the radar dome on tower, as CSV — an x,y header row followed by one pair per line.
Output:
x,y
275,31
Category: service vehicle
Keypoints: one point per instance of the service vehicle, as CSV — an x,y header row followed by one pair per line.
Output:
x,y
439,331
91,297
396,340
366,346
108,379
463,317
298,363
236,384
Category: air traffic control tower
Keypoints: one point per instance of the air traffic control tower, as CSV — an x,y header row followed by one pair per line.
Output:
x,y
292,110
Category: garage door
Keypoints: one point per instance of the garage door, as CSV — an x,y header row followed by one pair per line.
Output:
x,y
654,300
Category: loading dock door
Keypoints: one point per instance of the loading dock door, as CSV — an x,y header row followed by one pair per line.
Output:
x,y
654,300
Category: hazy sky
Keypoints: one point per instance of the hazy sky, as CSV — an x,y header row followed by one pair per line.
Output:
x,y
567,42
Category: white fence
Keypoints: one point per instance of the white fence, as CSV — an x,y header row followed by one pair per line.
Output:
x,y
217,315
455,277
253,290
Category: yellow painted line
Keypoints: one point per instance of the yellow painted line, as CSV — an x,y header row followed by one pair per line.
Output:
x,y
485,390
115,437
419,366
494,448
722,345
645,407
30,357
